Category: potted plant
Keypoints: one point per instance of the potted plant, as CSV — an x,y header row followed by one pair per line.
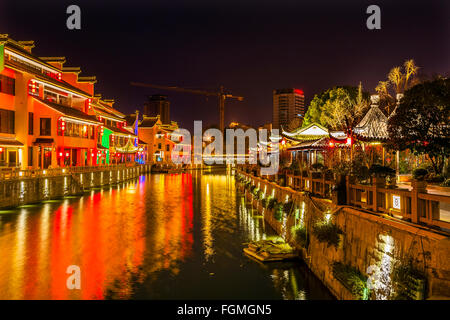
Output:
x,y
418,181
379,174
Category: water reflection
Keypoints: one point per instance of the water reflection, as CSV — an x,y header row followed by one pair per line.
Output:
x,y
160,236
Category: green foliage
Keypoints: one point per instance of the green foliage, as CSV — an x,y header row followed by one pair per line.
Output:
x,y
317,166
342,168
446,183
404,167
327,232
338,107
420,121
272,203
381,171
419,174
434,178
265,201
351,278
278,211
301,236
408,282
259,194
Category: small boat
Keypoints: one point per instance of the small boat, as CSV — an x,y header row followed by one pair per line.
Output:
x,y
270,250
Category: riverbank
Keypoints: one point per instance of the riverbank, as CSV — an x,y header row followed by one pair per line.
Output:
x,y
344,246
41,185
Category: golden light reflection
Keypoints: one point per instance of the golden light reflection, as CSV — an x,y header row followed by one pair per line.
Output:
x,y
108,234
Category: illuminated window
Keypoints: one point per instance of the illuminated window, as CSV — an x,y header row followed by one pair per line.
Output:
x,y
30,122
46,126
7,85
7,121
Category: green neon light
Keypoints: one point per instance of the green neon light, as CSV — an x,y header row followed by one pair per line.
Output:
x,y
105,137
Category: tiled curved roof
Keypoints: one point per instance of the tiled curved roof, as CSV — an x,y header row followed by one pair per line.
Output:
x,y
373,125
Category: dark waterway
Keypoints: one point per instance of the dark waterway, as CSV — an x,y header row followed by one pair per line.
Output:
x,y
168,236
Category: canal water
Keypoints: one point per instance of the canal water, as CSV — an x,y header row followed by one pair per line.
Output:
x,y
173,236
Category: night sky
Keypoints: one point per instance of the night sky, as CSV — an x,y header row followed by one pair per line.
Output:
x,y
250,47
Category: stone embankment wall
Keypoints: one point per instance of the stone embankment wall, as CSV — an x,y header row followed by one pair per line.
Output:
x,y
369,242
26,190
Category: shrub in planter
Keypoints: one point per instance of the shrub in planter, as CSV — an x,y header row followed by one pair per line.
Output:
x,y
301,236
342,168
362,174
351,278
379,171
434,178
408,282
272,203
328,232
419,174
317,167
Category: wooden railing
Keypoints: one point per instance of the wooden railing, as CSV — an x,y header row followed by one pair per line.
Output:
x,y
416,205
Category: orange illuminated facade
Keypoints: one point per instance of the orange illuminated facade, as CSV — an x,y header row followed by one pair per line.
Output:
x,y
51,117
159,137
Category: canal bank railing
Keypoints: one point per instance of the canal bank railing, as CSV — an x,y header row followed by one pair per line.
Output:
x,y
41,185
416,205
50,172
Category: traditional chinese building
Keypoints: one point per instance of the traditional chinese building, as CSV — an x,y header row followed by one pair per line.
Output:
x,y
158,137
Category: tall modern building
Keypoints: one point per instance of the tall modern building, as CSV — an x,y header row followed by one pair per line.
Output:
x,y
158,104
288,104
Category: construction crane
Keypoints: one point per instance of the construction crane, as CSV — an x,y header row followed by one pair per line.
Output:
x,y
221,95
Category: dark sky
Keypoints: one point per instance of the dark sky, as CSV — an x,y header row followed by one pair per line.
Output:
x,y
250,47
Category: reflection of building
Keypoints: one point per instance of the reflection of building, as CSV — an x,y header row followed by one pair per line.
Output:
x,y
49,115
287,105
158,105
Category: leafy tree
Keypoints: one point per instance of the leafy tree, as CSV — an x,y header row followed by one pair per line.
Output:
x,y
421,121
401,80
338,108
